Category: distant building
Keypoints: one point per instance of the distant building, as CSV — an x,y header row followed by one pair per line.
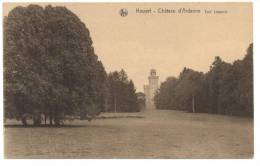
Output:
x,y
150,89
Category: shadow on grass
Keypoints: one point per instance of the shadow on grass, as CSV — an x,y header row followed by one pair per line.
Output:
x,y
70,125
42,126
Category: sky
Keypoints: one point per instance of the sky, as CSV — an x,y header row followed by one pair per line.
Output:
x,y
167,42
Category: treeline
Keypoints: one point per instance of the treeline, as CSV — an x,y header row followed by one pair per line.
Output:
x,y
225,89
51,69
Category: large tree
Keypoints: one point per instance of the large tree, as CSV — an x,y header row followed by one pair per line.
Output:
x,y
215,83
50,65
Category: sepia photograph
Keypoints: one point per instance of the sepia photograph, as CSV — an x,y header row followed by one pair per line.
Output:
x,y
128,80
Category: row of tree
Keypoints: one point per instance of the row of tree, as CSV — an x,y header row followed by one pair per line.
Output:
x,y
51,69
225,89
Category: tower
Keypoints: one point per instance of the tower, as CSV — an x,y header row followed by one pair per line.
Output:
x,y
151,89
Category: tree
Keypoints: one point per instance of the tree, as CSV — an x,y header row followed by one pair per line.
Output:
x,y
215,83
242,86
140,100
122,93
188,89
246,83
165,97
50,66
183,93
131,98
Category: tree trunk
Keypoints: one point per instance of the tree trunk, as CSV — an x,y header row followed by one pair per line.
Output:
x,y
57,119
193,104
115,106
36,119
24,121
45,119
50,117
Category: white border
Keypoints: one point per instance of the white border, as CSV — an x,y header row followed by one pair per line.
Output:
x,y
152,162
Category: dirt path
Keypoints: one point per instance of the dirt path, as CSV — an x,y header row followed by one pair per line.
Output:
x,y
151,134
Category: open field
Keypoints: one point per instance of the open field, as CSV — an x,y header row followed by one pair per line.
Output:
x,y
150,134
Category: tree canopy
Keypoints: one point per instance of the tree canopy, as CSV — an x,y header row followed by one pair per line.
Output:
x,y
49,63
225,89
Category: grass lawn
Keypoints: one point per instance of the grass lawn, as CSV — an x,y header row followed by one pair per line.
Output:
x,y
149,134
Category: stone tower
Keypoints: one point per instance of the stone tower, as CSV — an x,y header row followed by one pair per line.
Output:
x,y
150,89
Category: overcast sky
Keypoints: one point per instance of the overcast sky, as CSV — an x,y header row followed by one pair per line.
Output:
x,y
165,42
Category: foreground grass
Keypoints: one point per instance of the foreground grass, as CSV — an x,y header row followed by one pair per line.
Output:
x,y
150,134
